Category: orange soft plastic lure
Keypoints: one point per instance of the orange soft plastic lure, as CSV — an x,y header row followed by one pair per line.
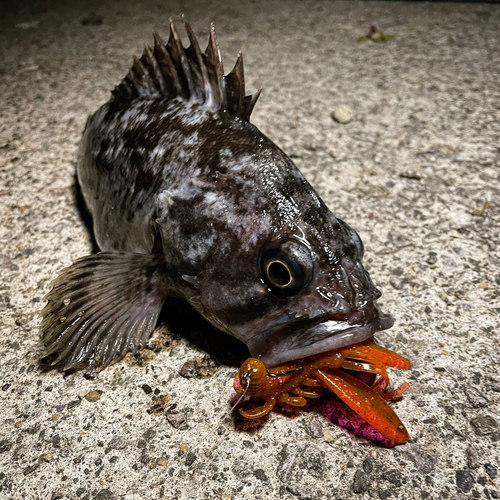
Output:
x,y
305,378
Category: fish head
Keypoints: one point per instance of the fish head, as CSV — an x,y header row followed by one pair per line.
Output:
x,y
328,300
272,265
293,299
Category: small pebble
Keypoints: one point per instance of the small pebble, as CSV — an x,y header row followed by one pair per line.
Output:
x,y
432,258
177,420
30,469
261,475
21,320
146,388
475,397
93,396
464,480
327,435
472,457
5,445
190,458
483,424
490,470
188,369
117,443
411,174
343,114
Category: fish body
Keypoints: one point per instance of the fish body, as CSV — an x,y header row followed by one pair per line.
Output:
x,y
190,199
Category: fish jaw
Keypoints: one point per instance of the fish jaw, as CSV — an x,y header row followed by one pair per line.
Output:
x,y
292,341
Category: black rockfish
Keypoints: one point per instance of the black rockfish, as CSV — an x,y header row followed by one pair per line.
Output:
x,y
188,198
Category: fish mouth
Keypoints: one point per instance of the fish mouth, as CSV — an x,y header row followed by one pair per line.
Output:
x,y
300,339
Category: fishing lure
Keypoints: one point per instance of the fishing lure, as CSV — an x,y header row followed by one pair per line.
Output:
x,y
305,378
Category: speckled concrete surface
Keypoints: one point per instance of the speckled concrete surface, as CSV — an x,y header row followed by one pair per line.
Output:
x,y
416,172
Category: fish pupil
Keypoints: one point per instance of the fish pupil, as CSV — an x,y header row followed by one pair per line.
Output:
x,y
279,273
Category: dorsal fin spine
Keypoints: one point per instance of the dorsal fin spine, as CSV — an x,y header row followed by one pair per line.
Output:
x,y
219,68
166,65
144,84
169,70
157,74
179,55
235,87
199,59
251,100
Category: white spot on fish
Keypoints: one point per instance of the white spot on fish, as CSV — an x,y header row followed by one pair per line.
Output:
x,y
166,198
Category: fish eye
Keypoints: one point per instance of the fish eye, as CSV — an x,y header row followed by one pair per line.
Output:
x,y
356,239
358,242
287,268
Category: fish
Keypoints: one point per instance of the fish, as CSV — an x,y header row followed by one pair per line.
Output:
x,y
189,199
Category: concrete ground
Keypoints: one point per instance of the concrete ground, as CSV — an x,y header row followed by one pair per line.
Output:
x,y
416,172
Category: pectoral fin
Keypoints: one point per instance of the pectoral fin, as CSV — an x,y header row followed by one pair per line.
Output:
x,y
103,306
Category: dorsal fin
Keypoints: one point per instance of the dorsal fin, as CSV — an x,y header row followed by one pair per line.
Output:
x,y
169,70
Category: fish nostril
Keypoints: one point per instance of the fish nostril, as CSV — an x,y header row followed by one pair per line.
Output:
x,y
356,318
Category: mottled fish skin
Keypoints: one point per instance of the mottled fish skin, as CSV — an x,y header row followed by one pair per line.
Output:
x,y
192,183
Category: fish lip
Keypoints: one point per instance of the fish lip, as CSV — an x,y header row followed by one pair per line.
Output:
x,y
276,346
